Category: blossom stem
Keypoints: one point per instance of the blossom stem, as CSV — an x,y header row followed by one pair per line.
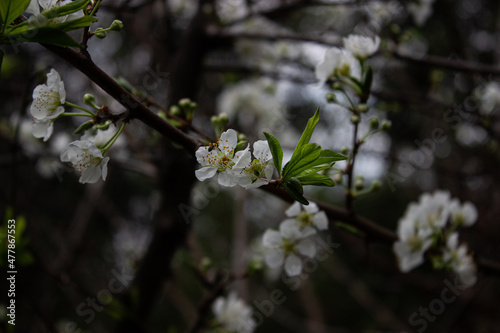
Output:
x,y
80,108
94,9
74,114
113,139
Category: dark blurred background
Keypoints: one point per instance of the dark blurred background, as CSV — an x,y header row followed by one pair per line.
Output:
x,y
126,242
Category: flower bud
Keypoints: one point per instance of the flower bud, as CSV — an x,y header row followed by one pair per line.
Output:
x,y
89,99
100,33
374,123
224,119
117,25
205,264
330,98
242,137
359,183
376,185
184,103
338,178
363,108
386,125
344,150
175,110
355,119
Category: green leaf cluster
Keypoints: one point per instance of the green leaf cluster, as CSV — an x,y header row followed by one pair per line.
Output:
x,y
52,33
308,159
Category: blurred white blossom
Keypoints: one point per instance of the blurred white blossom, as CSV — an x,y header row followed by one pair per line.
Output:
x,y
286,246
420,10
307,216
489,98
361,46
233,314
338,62
461,263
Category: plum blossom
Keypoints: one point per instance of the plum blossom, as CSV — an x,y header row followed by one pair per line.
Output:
x,y
338,62
307,216
48,104
39,20
261,169
87,159
220,157
286,246
461,263
489,98
463,215
233,314
362,47
420,10
434,210
413,241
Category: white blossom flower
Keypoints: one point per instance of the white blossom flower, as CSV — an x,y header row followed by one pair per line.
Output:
x,y
39,20
286,245
361,46
414,239
233,314
461,263
48,101
420,10
489,97
338,62
307,216
463,215
88,159
42,128
220,157
261,169
434,209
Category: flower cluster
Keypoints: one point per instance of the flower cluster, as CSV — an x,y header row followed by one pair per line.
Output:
x,y
39,20
232,315
346,62
431,224
293,240
235,167
87,154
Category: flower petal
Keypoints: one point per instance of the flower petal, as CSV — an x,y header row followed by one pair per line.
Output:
x,y
261,151
293,210
272,239
228,141
306,247
205,173
293,265
275,258
320,221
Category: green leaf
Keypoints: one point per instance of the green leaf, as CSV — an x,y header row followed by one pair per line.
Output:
x,y
276,151
307,155
312,169
316,179
329,156
44,36
67,9
295,189
308,131
26,28
12,9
